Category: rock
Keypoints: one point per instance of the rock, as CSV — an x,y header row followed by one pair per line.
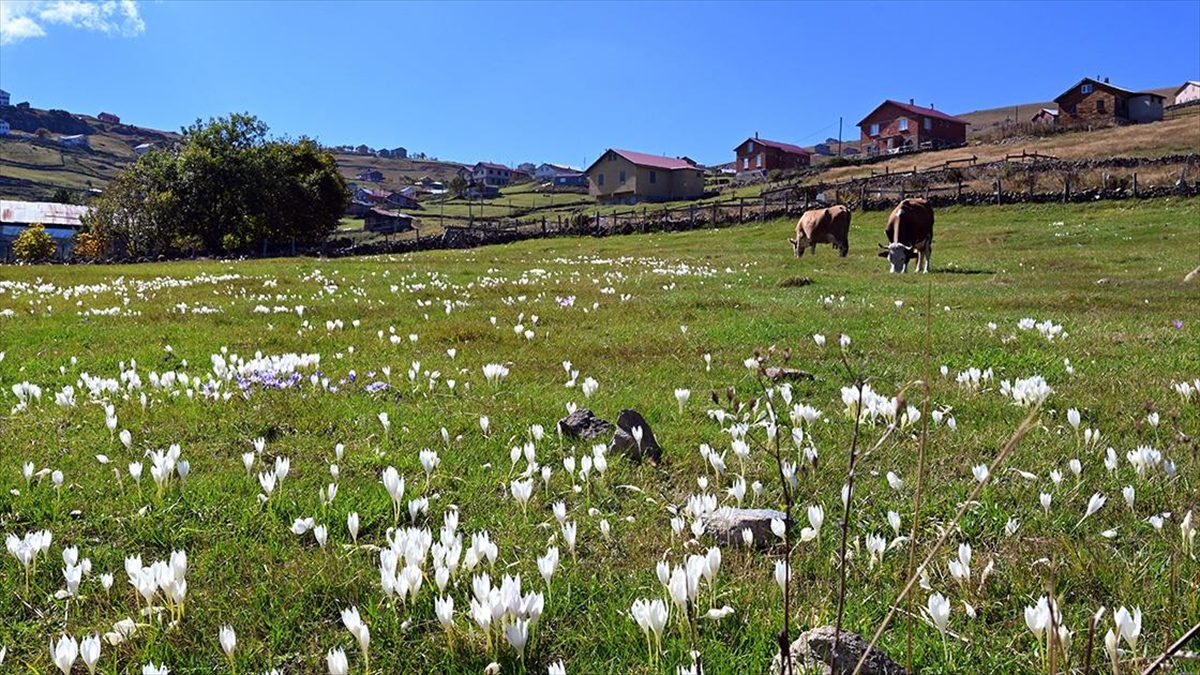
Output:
x,y
812,653
624,442
584,424
726,525
776,373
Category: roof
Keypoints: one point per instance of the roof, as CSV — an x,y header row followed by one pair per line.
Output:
x,y
1109,86
915,110
559,167
785,147
1048,111
46,213
1185,85
389,214
492,165
652,161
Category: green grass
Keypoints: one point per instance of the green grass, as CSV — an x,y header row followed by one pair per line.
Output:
x,y
1109,273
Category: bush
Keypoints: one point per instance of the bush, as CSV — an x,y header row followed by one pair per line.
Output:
x,y
90,245
34,243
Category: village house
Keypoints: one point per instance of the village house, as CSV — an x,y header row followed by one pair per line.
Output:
x,y
386,222
491,175
108,118
371,196
627,177
898,127
570,180
363,150
142,149
4,128
548,172
404,200
1189,92
74,141
521,176
5,97
1096,102
1046,116
757,156
370,175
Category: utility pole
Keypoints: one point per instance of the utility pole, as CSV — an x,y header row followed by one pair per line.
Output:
x,y
839,136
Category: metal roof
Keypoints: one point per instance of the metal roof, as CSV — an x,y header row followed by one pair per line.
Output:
x,y
46,213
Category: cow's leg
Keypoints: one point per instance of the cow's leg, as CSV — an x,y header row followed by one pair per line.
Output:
x,y
844,247
928,254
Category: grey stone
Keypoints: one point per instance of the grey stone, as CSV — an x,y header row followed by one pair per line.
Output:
x,y
812,653
624,442
727,523
584,424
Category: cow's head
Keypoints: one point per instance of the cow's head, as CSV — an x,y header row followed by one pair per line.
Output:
x,y
799,244
898,256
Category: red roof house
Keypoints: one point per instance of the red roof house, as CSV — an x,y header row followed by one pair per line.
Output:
x,y
756,156
898,127
628,177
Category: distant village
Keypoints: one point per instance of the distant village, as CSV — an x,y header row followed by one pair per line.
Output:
x,y
627,177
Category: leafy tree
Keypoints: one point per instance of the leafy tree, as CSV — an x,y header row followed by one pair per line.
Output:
x,y
62,196
226,186
458,185
33,243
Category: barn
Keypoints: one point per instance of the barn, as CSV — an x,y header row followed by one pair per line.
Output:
x,y
384,221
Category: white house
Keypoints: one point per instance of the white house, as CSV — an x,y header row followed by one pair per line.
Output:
x,y
4,128
1190,91
4,98
142,149
76,141
547,172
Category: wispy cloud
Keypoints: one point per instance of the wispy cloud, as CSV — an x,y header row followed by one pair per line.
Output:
x,y
24,19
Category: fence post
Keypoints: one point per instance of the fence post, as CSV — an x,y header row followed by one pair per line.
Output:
x,y
692,216
713,222
1105,183
837,195
1066,188
543,226
958,192
1135,184
741,209
903,191
597,221
999,193
1032,179
862,196
764,209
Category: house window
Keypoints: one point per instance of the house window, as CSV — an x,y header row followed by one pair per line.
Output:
x,y
874,130
1100,106
653,176
758,161
600,179
928,124
1085,89
903,124
750,148
621,178
745,162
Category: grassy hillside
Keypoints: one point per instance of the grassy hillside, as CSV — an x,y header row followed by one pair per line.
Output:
x,y
637,314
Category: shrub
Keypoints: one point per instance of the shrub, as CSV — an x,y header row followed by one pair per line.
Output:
x,y
90,245
34,243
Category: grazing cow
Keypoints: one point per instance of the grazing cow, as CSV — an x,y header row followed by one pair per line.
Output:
x,y
823,226
910,233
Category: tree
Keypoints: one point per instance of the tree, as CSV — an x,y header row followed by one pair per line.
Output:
x,y
227,186
33,243
458,185
62,196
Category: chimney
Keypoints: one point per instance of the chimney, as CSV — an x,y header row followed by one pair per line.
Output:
x,y
911,101
931,106
1106,80
756,135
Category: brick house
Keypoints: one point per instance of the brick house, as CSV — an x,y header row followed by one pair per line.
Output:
x,y
896,127
1098,102
108,118
756,156
491,175
626,177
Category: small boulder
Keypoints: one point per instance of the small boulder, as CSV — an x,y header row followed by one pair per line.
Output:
x,y
584,424
624,442
727,523
812,652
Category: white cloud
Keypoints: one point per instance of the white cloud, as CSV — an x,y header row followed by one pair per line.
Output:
x,y
22,19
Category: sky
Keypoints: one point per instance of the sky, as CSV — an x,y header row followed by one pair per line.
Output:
x,y
561,82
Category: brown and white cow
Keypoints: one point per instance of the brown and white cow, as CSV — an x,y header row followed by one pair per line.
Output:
x,y
823,226
910,233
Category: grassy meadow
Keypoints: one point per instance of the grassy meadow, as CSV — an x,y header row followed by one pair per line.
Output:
x,y
637,316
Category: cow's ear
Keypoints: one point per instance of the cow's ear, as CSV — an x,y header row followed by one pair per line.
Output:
x,y
791,241
883,253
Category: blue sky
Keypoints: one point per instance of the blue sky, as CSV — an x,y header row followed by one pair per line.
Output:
x,y
560,82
